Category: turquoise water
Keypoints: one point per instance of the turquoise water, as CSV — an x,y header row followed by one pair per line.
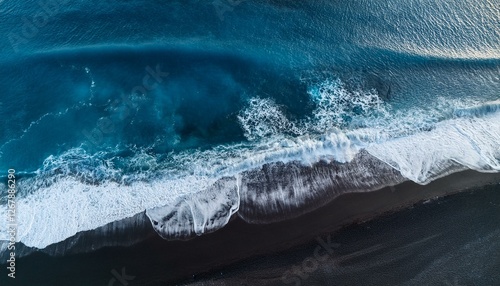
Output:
x,y
112,108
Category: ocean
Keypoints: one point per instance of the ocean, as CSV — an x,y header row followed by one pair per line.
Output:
x,y
196,112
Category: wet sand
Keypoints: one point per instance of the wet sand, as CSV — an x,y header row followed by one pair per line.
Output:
x,y
154,261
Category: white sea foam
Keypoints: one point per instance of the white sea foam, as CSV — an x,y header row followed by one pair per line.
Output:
x,y
264,118
336,105
66,199
454,145
54,213
200,213
197,192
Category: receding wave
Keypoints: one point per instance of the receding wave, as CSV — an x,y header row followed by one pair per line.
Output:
x,y
353,141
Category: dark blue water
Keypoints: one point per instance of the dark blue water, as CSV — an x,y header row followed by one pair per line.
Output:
x,y
111,108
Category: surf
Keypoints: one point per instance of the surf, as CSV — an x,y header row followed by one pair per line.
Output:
x,y
352,141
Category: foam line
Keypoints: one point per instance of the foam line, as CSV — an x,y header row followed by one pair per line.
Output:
x,y
285,169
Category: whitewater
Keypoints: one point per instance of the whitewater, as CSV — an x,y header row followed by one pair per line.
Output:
x,y
192,193
267,113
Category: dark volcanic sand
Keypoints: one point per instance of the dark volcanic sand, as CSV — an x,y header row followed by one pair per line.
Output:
x,y
154,261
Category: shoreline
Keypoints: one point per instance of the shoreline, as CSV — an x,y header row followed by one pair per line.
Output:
x,y
148,257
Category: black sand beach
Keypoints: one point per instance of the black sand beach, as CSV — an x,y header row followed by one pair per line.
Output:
x,y
234,142
154,261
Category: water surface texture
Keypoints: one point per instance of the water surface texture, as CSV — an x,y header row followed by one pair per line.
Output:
x,y
194,111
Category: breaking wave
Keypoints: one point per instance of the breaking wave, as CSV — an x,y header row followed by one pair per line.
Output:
x,y
352,142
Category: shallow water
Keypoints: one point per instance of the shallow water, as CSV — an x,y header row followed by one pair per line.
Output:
x,y
181,108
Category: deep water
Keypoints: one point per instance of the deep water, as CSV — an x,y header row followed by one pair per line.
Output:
x,y
186,111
